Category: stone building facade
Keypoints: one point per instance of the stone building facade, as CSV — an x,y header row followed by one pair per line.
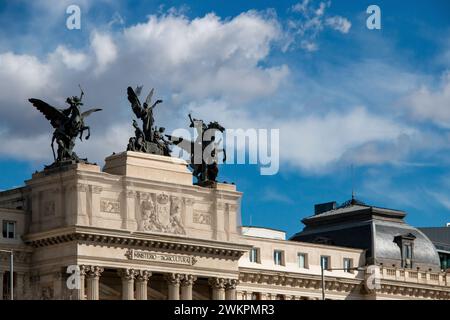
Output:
x,y
139,229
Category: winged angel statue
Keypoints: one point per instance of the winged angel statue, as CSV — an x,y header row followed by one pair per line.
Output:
x,y
149,139
68,124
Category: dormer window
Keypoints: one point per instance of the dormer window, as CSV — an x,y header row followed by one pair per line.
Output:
x,y
406,244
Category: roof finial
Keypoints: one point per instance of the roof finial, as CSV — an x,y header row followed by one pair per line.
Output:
x,y
353,186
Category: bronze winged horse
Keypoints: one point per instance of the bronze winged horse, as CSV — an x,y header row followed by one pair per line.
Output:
x,y
68,124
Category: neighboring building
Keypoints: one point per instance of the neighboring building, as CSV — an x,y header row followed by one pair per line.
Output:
x,y
386,238
139,229
440,236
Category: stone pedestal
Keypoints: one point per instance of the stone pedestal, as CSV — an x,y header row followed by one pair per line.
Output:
x,y
149,167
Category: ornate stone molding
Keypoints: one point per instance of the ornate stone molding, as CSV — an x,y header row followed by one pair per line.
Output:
x,y
81,187
96,189
19,256
161,213
188,201
151,244
109,205
131,194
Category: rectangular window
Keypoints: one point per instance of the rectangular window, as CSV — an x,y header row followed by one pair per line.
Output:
x,y
348,264
278,257
9,229
407,255
254,255
303,260
325,262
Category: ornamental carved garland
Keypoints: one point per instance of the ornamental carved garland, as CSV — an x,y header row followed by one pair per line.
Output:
x,y
161,213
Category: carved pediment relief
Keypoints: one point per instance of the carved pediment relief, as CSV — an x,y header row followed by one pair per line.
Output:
x,y
161,213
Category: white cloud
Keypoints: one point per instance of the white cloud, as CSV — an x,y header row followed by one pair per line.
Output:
x,y
105,50
339,23
431,104
72,60
187,60
315,143
310,20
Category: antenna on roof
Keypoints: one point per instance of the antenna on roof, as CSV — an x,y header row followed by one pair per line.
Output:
x,y
251,220
352,180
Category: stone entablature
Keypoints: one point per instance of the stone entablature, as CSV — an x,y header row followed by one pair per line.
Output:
x,y
83,195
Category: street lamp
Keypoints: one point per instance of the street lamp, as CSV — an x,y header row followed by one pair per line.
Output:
x,y
333,269
11,271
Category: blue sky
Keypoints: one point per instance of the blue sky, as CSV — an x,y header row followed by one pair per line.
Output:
x,y
340,94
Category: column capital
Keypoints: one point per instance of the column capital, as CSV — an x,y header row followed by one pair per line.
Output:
x,y
231,283
187,280
217,283
92,271
143,275
127,274
173,278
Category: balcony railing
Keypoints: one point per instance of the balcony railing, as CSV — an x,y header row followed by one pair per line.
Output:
x,y
417,276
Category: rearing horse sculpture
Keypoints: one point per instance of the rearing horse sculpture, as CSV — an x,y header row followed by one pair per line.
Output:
x,y
68,124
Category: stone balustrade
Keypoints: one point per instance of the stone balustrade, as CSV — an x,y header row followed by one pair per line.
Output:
x,y
416,276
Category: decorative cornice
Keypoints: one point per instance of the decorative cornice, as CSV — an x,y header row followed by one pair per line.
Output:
x,y
211,248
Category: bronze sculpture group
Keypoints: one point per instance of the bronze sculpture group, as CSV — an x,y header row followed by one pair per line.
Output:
x,y
69,124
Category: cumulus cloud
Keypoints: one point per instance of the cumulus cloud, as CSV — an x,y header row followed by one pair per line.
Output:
x,y
310,20
315,142
339,23
217,69
433,104
185,59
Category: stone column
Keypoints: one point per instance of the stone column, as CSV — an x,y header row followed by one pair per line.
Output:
x,y
141,284
173,282
127,276
1,284
35,285
230,289
187,281
58,286
218,288
93,276
80,292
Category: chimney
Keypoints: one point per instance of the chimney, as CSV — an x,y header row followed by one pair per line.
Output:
x,y
324,207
